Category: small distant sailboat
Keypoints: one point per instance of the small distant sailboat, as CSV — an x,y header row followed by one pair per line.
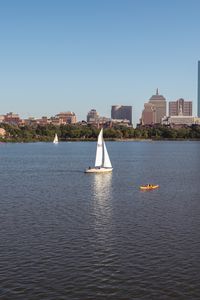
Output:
x,y
55,141
102,161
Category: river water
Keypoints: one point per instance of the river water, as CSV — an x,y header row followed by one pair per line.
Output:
x,y
69,235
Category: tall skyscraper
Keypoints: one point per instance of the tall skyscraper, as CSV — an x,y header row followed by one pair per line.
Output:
x,y
121,112
154,110
157,109
198,101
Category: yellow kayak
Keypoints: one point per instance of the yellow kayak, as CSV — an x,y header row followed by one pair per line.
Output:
x,y
149,187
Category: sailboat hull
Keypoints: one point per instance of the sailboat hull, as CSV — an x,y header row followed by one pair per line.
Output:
x,y
98,170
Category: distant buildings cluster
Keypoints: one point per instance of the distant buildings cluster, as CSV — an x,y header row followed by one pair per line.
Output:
x,y
154,112
179,112
61,118
121,115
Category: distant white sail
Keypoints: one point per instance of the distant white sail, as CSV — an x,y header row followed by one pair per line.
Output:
x,y
106,161
99,151
55,141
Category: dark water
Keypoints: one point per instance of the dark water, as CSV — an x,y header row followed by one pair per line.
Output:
x,y
69,235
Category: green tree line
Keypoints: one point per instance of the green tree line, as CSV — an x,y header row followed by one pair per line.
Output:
x,y
85,132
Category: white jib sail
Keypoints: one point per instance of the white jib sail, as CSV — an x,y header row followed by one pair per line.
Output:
x,y
99,152
106,162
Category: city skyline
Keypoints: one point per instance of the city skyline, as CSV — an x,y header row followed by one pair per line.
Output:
x,y
124,112
75,55
198,92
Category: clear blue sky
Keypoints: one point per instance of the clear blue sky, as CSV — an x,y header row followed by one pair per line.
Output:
x,y
59,55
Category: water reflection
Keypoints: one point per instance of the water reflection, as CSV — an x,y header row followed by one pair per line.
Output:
x,y
102,195
102,187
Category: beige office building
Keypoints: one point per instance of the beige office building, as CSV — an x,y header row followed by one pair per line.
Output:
x,y
67,117
92,116
180,107
148,114
181,120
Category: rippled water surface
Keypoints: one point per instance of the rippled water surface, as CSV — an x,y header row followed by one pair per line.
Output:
x,y
69,235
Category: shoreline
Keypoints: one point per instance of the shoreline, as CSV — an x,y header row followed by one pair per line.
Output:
x,y
94,140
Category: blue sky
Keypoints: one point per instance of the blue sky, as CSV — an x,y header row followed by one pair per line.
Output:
x,y
80,54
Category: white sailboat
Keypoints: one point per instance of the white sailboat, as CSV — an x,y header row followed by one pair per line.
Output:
x,y
102,161
55,141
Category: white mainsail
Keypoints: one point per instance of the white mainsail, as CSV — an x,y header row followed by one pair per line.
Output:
x,y
106,161
102,157
55,141
99,151
102,161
